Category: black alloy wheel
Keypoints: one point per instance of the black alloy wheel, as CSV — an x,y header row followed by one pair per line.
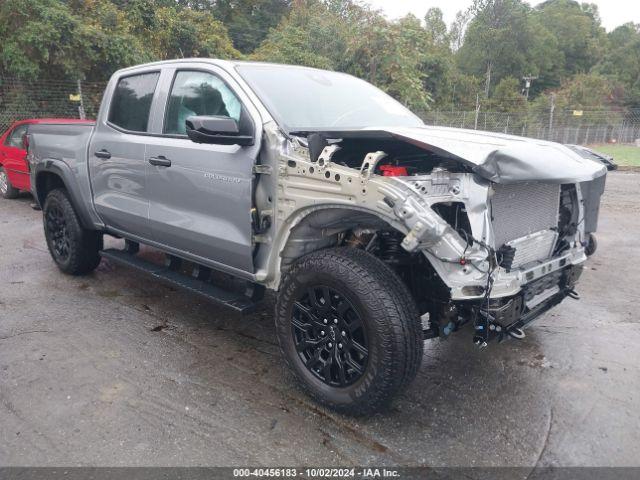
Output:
x,y
76,250
348,329
330,336
56,225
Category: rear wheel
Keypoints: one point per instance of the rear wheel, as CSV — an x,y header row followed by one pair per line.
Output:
x,y
592,244
74,249
348,329
6,189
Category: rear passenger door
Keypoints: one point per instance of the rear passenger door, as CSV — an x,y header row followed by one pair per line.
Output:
x,y
117,154
201,194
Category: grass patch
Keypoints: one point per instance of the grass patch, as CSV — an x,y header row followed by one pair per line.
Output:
x,y
622,154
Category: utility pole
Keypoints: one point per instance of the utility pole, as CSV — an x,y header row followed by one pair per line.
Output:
x,y
487,80
453,97
475,126
527,85
81,113
553,107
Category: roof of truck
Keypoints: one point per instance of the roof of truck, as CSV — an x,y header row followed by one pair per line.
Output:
x,y
213,61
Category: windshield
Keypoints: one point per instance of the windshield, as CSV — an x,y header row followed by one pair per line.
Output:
x,y
305,99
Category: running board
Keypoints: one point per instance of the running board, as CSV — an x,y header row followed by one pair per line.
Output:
x,y
237,301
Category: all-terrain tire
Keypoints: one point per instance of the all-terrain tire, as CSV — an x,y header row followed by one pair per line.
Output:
x,y
384,306
74,248
592,244
7,190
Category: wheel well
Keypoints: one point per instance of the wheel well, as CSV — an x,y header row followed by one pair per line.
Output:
x,y
338,227
45,182
324,229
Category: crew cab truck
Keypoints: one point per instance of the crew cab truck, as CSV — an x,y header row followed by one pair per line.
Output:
x,y
375,231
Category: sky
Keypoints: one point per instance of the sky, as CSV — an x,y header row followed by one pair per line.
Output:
x,y
612,12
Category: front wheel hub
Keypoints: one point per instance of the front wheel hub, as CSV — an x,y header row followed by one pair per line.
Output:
x,y
330,336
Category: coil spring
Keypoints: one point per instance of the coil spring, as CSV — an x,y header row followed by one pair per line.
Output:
x,y
390,247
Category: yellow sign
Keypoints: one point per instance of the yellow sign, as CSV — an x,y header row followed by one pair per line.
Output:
x,y
74,98
577,113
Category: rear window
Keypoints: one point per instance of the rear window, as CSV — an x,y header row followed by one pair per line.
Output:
x,y
131,102
16,138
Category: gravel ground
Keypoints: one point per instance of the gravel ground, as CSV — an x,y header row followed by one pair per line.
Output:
x,y
116,369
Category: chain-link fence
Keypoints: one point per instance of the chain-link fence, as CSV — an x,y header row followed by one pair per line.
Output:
x,y
77,99
576,127
20,99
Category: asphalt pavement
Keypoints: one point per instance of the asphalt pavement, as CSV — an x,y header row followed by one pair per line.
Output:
x,y
115,369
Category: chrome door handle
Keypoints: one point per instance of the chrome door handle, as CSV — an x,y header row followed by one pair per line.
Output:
x,y
160,161
103,154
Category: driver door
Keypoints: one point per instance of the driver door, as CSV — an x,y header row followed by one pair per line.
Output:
x,y
200,195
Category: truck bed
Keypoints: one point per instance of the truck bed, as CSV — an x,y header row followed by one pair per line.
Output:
x,y
64,147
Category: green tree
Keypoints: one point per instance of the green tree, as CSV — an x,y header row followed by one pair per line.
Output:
x,y
90,39
586,91
507,97
344,36
435,27
47,38
594,95
310,35
458,29
249,21
189,33
487,50
621,61
437,65
403,69
580,37
503,39
465,90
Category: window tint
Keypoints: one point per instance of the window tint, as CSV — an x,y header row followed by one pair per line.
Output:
x,y
15,139
198,93
131,101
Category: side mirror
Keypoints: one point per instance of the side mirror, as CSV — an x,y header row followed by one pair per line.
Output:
x,y
216,130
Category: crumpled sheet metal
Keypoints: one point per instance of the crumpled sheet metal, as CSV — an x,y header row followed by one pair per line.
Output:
x,y
506,158
516,164
497,157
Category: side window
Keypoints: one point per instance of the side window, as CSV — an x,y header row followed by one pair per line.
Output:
x,y
198,93
15,139
131,102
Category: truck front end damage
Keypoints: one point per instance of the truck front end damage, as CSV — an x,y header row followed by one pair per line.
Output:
x,y
486,229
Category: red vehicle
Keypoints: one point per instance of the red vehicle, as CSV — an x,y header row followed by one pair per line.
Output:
x,y
14,171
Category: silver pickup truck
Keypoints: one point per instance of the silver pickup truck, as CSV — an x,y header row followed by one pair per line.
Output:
x,y
375,231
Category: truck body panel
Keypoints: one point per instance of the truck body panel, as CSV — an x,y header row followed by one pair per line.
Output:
x,y
120,190
254,210
64,150
13,152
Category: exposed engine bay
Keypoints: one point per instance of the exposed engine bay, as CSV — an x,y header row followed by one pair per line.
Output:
x,y
494,239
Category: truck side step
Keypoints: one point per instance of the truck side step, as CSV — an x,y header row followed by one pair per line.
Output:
x,y
237,301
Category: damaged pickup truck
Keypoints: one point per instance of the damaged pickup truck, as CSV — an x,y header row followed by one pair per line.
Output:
x,y
376,231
